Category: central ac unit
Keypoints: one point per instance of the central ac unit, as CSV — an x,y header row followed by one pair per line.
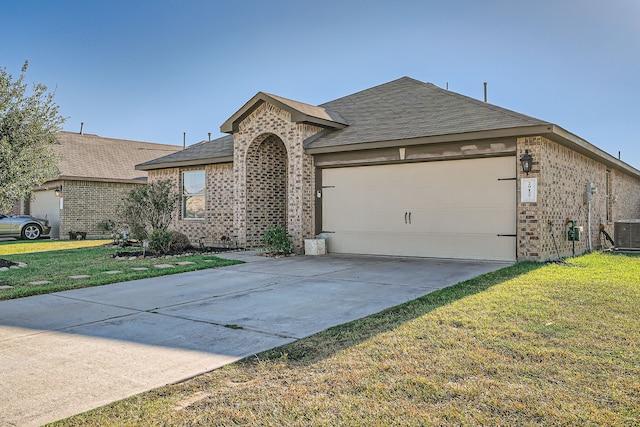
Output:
x,y
627,234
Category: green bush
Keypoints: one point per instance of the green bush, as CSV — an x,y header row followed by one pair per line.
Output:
x,y
277,241
148,208
108,226
180,242
160,241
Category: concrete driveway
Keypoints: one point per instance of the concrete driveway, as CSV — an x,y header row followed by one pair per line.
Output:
x,y
68,352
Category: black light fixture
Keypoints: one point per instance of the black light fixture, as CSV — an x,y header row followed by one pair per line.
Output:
x,y
58,191
526,161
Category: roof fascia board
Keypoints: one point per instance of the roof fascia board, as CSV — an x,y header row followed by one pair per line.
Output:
x,y
299,117
141,180
183,163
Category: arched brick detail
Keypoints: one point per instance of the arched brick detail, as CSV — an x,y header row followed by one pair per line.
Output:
x,y
266,187
268,120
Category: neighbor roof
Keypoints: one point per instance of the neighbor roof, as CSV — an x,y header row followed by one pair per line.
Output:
x,y
94,158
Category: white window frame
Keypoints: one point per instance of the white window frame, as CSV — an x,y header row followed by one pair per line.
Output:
x,y
186,195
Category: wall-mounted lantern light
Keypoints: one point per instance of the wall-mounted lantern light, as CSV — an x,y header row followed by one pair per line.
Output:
x,y
58,191
526,161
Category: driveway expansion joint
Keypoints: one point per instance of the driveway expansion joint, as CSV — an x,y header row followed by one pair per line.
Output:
x,y
236,327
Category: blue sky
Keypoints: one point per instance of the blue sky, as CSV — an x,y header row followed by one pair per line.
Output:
x,y
151,70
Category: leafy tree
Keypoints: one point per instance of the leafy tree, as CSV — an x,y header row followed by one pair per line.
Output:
x,y
149,208
29,122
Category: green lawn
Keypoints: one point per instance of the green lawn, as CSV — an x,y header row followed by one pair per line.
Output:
x,y
529,345
56,261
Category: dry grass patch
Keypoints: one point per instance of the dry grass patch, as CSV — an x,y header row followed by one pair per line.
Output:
x,y
528,345
25,247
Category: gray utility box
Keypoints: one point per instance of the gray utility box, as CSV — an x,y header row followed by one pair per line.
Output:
x,y
627,234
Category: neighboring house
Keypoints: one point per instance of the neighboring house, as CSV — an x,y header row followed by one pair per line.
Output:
x,y
94,174
405,168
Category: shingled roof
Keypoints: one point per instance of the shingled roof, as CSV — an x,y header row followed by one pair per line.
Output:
x,y
401,112
205,152
401,109
407,108
94,158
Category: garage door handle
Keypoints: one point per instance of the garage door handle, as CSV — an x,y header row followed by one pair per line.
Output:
x,y
405,217
409,217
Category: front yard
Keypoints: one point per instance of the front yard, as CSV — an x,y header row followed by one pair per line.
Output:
x,y
528,345
58,262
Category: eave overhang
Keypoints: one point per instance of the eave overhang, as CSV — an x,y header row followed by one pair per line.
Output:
x,y
138,180
185,163
550,131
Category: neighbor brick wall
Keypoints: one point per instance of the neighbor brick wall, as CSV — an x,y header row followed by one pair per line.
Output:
x,y
218,219
87,203
562,181
267,120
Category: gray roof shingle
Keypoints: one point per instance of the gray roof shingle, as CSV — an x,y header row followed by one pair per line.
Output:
x,y
214,151
407,108
401,109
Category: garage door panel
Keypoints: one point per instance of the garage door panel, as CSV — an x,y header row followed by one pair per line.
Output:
x,y
457,221
367,220
448,245
457,209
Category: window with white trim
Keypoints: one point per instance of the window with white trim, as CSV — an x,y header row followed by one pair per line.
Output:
x,y
193,194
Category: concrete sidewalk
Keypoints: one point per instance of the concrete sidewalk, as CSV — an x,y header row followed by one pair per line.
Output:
x,y
68,352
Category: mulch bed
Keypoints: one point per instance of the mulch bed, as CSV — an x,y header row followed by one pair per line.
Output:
x,y
192,250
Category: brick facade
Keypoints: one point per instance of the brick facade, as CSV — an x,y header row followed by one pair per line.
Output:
x,y
562,176
218,221
270,121
272,181
87,203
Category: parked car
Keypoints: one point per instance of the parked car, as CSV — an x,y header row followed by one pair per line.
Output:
x,y
23,227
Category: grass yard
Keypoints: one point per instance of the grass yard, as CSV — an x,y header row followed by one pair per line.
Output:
x,y
529,345
55,261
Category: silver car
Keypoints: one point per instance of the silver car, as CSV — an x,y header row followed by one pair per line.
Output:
x,y
23,227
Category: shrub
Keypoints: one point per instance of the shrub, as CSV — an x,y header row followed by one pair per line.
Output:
x,y
108,226
277,241
148,208
180,242
160,241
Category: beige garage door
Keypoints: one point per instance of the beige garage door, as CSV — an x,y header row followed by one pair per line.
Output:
x,y
449,209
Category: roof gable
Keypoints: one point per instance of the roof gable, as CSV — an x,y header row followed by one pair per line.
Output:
x,y
300,113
